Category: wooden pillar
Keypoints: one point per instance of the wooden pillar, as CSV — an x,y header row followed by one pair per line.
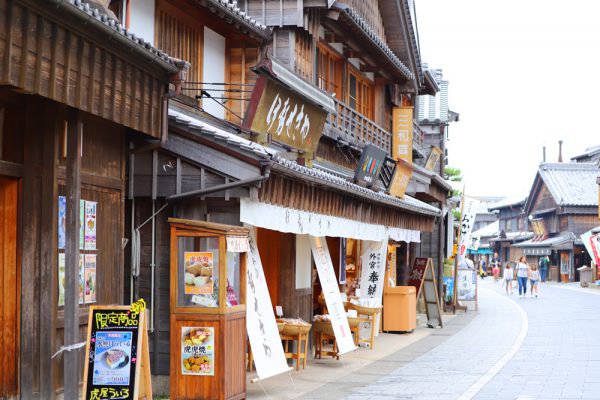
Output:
x,y
48,246
73,196
29,231
442,240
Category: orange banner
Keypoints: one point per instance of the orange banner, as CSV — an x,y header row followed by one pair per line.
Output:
x,y
401,179
402,131
434,156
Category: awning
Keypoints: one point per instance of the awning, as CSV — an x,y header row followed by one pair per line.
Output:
x,y
545,247
283,219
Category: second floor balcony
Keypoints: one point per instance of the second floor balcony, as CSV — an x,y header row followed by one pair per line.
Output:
x,y
356,129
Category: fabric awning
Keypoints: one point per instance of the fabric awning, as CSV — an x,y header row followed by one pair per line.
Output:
x,y
283,219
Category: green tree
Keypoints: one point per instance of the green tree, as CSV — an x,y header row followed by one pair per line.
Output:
x,y
454,175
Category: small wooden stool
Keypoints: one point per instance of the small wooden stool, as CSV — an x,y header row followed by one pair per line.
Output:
x,y
301,348
367,315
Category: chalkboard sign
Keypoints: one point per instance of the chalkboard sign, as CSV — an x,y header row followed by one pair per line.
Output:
x,y
422,277
116,353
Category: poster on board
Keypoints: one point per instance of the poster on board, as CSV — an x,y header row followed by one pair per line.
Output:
x,y
90,278
62,221
90,225
466,286
199,269
198,350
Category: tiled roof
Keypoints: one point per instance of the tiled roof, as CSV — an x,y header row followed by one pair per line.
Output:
x,y
215,133
120,30
571,184
407,203
413,39
550,242
590,151
367,30
488,230
507,202
230,7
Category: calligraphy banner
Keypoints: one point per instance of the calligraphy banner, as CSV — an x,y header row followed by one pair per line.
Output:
x,y
401,179
469,209
373,258
402,133
263,334
434,157
373,269
333,298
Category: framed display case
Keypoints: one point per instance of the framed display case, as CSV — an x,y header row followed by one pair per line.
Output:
x,y
208,311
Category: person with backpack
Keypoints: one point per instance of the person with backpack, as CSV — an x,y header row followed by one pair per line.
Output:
x,y
543,267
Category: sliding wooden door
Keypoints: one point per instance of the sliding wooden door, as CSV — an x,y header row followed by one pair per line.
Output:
x,y
9,290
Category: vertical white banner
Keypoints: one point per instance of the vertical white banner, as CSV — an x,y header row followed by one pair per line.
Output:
x,y
374,257
469,209
260,320
333,298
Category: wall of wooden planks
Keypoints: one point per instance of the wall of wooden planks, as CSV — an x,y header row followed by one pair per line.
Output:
x,y
9,288
41,55
40,123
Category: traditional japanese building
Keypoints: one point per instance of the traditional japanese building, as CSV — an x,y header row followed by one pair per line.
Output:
x,y
75,86
562,204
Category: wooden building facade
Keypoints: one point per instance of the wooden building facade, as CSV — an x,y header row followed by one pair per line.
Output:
x,y
562,205
74,87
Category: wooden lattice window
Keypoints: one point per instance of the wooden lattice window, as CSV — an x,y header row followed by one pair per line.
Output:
x,y
178,35
360,93
329,71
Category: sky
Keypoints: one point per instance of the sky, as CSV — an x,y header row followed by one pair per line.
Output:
x,y
522,74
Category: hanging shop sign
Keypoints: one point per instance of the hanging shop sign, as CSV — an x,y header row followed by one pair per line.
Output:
x,y
434,157
369,164
540,231
117,361
263,333
402,174
333,298
284,115
469,209
198,350
402,133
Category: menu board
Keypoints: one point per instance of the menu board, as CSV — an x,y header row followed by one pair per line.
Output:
x,y
466,284
116,353
418,273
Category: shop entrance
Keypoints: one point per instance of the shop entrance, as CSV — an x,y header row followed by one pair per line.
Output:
x,y
9,289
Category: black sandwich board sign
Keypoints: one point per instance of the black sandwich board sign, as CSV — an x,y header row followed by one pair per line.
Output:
x,y
117,362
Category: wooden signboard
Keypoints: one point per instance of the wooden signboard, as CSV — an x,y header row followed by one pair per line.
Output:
x,y
117,362
422,277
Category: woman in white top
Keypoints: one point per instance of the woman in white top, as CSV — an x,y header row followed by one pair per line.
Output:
x,y
522,275
508,278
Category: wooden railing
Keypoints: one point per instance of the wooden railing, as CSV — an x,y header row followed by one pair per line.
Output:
x,y
355,128
419,140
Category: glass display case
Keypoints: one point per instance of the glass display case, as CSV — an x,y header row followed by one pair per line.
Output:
x,y
208,311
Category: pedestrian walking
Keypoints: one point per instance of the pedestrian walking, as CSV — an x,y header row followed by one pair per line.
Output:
x,y
534,279
544,263
522,270
508,278
483,268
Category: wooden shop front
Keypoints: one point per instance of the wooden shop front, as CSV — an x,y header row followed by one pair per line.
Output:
x,y
69,99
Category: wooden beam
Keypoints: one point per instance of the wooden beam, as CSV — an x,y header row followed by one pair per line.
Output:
x,y
8,168
369,68
73,195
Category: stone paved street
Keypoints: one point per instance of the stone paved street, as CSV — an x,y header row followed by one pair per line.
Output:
x,y
511,348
